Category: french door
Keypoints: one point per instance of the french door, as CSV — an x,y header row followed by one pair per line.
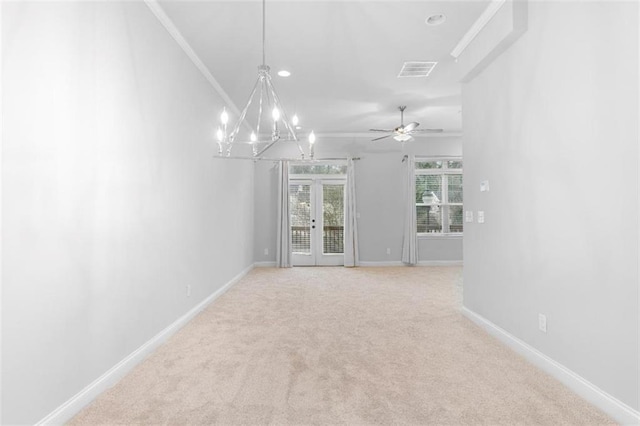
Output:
x,y
316,206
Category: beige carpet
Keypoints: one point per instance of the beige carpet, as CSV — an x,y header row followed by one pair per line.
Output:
x,y
338,346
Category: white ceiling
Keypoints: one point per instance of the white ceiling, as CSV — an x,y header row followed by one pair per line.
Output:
x,y
344,57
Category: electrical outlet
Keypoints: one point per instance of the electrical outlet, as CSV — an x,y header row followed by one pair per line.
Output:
x,y
266,252
542,323
188,290
388,250
480,216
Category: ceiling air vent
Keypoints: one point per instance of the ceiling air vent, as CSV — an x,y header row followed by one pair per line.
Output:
x,y
416,69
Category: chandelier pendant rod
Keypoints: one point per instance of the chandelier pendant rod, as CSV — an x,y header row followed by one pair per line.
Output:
x,y
264,13
266,147
259,112
271,103
236,128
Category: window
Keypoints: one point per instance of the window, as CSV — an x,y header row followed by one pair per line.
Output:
x,y
439,196
318,169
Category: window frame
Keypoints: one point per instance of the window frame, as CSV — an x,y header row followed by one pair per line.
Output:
x,y
342,163
445,193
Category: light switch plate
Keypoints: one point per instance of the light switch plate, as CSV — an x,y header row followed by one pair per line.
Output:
x,y
484,186
468,216
480,216
542,323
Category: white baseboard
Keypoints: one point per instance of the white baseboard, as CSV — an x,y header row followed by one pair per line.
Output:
x,y
420,263
381,263
618,410
73,406
440,263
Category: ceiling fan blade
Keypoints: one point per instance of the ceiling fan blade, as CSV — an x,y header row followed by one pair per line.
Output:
x,y
409,127
381,130
377,139
429,130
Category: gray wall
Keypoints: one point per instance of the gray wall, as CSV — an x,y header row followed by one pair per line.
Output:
x,y
379,188
265,205
553,125
111,204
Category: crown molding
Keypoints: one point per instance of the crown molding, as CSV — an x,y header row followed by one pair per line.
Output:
x,y
171,28
477,26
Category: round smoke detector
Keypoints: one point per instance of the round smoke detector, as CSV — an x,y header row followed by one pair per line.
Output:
x,y
435,19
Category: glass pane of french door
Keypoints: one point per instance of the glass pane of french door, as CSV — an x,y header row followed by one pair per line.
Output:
x,y
332,218
300,210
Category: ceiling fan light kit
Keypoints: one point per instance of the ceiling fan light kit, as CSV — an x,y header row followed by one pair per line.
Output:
x,y
402,138
267,101
403,133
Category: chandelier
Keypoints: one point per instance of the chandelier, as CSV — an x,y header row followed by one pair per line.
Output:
x,y
272,123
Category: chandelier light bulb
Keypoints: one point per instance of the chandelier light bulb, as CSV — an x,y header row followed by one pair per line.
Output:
x,y
224,117
253,137
294,119
312,138
275,114
219,134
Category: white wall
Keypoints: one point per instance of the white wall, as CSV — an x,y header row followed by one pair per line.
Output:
x,y
553,125
379,188
265,209
111,203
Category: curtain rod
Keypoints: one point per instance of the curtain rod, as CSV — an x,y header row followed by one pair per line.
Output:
x,y
297,160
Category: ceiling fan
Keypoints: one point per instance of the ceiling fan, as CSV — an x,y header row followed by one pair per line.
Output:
x,y
403,133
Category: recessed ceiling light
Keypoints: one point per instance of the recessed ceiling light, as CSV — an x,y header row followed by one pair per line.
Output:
x,y
435,19
284,73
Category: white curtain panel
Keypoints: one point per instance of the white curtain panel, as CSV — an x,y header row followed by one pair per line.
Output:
x,y
351,257
410,243
283,249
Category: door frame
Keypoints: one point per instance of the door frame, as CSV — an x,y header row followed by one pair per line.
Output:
x,y
317,257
